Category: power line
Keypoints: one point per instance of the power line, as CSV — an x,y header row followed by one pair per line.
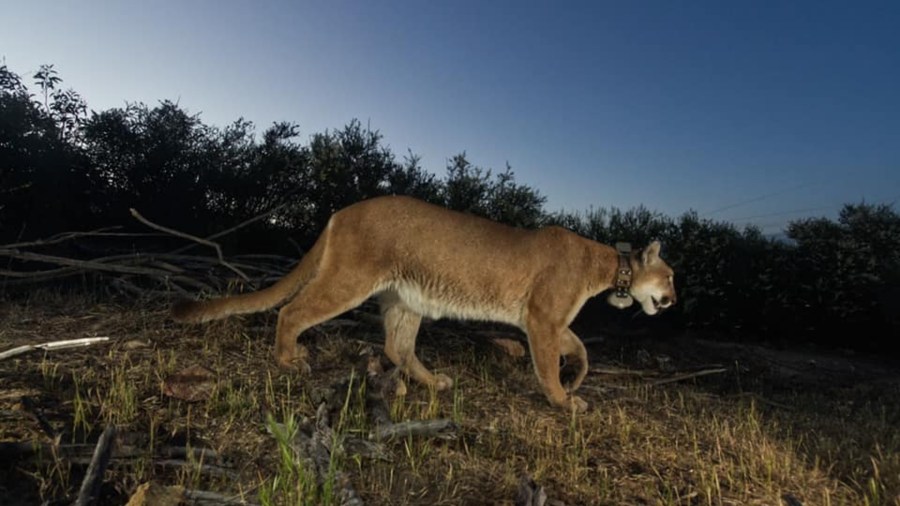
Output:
x,y
888,201
755,199
784,213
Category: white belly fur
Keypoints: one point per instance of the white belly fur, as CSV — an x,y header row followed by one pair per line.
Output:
x,y
428,304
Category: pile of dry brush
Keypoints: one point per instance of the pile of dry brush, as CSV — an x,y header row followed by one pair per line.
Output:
x,y
141,273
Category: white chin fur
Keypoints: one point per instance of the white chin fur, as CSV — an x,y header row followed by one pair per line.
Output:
x,y
648,307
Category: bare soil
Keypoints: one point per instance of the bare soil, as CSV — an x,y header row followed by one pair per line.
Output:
x,y
673,419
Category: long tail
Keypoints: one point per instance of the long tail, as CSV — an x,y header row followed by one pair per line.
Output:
x,y
189,311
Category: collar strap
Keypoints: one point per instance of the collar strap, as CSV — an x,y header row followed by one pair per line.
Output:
x,y
623,272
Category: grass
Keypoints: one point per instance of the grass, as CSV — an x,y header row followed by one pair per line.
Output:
x,y
748,438
293,481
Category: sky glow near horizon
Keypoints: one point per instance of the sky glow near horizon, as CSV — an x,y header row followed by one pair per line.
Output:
x,y
750,112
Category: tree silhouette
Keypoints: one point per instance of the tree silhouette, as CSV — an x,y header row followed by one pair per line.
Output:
x,y
473,189
62,170
44,182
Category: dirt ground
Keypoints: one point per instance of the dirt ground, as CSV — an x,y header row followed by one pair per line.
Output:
x,y
674,419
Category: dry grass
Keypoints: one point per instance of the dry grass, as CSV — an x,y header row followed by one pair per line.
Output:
x,y
745,437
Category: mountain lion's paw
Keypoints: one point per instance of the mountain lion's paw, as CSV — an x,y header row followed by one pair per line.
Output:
x,y
294,361
442,382
577,404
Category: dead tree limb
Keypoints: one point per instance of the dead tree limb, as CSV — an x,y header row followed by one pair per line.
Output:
x,y
194,238
205,498
95,265
53,345
81,454
236,227
688,375
94,476
35,411
132,272
618,371
58,238
442,427
316,445
530,493
205,469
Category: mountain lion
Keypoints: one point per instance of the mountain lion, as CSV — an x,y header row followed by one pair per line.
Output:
x,y
422,260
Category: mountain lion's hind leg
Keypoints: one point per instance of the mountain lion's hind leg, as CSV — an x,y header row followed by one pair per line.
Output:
x,y
572,347
400,328
325,297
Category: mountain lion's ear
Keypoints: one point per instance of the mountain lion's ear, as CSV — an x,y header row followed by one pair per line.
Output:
x,y
651,253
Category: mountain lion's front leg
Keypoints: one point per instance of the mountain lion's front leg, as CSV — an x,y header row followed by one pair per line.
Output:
x,y
545,342
571,346
400,328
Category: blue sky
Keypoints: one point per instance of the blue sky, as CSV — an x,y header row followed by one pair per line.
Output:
x,y
749,111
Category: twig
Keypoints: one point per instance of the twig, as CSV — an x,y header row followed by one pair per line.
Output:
x,y
203,498
194,238
442,427
206,469
203,454
530,493
56,239
43,275
689,375
229,230
32,408
618,371
81,453
316,450
74,266
53,345
94,475
97,265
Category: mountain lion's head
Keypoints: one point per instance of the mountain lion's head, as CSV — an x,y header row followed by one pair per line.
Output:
x,y
652,282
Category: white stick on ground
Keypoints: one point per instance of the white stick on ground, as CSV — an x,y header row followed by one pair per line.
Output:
x,y
53,345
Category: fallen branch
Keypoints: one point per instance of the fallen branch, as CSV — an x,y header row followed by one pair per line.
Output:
x,y
206,498
689,375
35,411
183,452
196,239
141,274
53,346
234,228
95,265
530,493
206,469
164,273
93,478
65,236
123,285
379,385
443,427
315,446
40,275
153,494
203,460
618,371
